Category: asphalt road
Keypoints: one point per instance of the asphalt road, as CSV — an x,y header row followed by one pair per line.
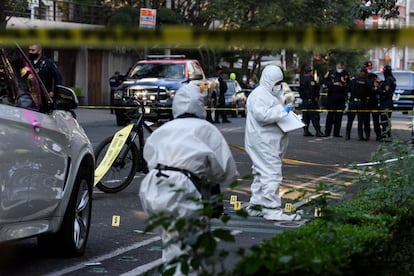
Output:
x,y
125,250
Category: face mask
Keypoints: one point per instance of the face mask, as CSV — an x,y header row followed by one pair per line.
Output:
x,y
339,71
277,89
33,56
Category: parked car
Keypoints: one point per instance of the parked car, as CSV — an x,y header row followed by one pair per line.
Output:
x,y
235,98
404,93
293,88
46,161
155,81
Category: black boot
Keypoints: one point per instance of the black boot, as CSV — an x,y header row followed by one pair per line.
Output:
x,y
319,133
306,131
348,135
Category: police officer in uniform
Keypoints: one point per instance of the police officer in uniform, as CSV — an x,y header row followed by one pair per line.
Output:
x,y
337,84
373,101
309,93
221,112
360,88
386,92
46,69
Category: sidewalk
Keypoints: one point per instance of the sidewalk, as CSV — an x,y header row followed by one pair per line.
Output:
x,y
94,116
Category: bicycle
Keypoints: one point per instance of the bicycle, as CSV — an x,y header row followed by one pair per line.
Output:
x,y
130,157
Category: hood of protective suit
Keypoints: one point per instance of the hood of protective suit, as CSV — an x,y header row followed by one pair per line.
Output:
x,y
270,75
188,99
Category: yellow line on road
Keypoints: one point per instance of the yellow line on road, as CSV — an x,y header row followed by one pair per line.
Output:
x,y
290,161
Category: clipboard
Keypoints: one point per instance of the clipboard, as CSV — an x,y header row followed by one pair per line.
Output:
x,y
291,122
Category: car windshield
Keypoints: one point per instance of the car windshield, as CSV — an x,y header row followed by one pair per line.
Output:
x,y
152,70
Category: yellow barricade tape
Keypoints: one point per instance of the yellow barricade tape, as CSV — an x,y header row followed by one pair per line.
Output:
x,y
185,36
114,149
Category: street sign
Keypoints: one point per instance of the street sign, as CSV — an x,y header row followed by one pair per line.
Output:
x,y
147,18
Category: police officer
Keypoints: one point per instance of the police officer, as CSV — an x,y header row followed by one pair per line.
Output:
x,y
386,92
114,82
337,85
360,88
309,93
373,101
221,112
46,69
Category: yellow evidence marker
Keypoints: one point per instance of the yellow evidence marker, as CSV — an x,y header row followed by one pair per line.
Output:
x,y
116,221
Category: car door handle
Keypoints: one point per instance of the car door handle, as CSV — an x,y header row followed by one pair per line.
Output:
x,y
36,126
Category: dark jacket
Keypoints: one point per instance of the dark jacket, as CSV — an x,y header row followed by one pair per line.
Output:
x,y
49,73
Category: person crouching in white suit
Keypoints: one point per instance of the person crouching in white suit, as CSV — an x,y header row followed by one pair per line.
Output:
x,y
266,145
191,143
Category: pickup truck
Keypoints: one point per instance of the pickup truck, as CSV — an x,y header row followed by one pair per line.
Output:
x,y
155,81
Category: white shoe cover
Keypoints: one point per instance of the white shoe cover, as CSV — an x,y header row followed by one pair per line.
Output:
x,y
278,214
253,212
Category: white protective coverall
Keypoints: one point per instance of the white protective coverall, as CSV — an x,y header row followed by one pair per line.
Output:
x,y
187,143
266,144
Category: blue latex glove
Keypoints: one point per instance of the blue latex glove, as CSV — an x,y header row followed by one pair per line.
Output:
x,y
288,107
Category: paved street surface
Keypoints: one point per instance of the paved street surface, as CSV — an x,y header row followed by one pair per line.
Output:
x,y
125,250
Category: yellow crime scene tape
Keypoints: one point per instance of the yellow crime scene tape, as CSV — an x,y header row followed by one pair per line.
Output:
x,y
186,36
290,161
114,149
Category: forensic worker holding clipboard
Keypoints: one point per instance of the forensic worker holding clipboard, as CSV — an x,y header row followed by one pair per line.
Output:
x,y
266,143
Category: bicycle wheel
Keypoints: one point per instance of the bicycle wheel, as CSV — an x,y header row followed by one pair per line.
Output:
x,y
121,173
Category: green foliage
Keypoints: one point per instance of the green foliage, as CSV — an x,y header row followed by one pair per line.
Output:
x,y
126,16
196,237
363,235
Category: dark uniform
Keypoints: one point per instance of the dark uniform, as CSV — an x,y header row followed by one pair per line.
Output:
x,y
336,83
386,92
48,72
373,102
221,112
309,93
114,82
359,94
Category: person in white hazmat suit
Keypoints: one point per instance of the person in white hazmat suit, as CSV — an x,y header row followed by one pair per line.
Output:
x,y
188,142
266,145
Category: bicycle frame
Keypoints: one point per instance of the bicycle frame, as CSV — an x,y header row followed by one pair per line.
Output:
x,y
118,141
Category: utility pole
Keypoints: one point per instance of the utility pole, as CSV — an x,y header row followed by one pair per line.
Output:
x,y
167,52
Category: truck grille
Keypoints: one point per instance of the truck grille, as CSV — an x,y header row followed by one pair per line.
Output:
x,y
149,94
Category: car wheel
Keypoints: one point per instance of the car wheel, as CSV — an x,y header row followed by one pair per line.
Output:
x,y
241,110
73,234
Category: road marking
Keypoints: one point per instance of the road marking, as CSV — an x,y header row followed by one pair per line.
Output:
x,y
143,268
110,255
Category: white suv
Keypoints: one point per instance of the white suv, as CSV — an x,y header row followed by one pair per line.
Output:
x,y
46,161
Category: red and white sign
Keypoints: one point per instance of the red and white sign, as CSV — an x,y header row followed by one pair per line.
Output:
x,y
147,18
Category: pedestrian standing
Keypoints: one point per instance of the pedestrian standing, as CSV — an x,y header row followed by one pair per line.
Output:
x,y
386,92
337,85
221,112
45,68
266,145
373,101
359,88
309,93
114,82
177,153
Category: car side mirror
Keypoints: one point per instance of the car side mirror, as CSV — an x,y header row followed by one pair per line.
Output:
x,y
65,98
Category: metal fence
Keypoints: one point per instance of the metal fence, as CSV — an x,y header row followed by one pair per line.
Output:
x,y
60,10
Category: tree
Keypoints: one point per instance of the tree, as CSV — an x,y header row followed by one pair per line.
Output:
x,y
250,14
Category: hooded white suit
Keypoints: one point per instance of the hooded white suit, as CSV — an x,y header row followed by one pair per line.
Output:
x,y
187,143
265,142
